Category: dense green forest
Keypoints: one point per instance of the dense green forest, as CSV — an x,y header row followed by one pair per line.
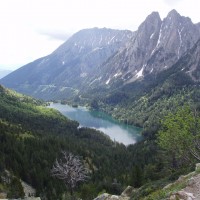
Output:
x,y
145,102
32,136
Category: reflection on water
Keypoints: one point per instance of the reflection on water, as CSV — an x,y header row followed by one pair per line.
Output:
x,y
115,130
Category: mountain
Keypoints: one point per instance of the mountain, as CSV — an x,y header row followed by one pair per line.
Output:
x,y
4,73
100,61
156,46
63,71
146,101
149,74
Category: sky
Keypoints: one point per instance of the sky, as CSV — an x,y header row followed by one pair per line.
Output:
x,y
30,29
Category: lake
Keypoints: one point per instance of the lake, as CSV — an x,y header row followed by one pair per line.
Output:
x,y
117,131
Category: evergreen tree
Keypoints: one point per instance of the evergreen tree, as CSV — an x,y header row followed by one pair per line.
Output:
x,y
136,177
16,189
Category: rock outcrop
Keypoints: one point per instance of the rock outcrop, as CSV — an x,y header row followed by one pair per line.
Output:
x,y
192,189
189,183
126,194
29,191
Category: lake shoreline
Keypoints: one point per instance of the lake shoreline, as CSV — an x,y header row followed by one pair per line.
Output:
x,y
98,120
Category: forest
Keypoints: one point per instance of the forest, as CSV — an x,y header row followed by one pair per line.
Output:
x,y
32,136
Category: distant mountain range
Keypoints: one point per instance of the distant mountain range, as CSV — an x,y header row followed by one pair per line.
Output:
x,y
105,59
63,72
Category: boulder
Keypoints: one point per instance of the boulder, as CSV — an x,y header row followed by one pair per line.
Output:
x,y
128,192
197,169
182,195
114,197
102,196
191,182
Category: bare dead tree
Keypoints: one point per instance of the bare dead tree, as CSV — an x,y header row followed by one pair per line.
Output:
x,y
70,169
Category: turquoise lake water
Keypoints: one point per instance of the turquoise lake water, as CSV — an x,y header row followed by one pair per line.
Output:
x,y
116,130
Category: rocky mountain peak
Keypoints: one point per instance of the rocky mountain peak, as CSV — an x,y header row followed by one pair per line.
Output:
x,y
106,57
154,16
128,64
177,34
147,32
150,25
156,46
175,20
173,14
91,39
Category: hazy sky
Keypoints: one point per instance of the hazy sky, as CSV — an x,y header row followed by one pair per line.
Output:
x,y
30,29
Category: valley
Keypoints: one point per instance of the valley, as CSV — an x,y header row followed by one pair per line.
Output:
x,y
140,128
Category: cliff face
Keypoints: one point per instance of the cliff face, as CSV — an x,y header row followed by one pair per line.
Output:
x,y
192,186
155,47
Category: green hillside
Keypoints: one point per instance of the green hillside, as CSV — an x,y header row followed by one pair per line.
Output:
x,y
32,136
146,101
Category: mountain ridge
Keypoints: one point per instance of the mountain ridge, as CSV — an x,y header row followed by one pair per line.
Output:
x,y
65,68
137,95
144,102
157,46
105,59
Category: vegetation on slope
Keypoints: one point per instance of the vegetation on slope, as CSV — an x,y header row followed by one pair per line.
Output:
x,y
32,137
144,102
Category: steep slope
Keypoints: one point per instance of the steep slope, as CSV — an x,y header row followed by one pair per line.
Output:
x,y
156,46
146,101
62,72
32,137
186,187
103,60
